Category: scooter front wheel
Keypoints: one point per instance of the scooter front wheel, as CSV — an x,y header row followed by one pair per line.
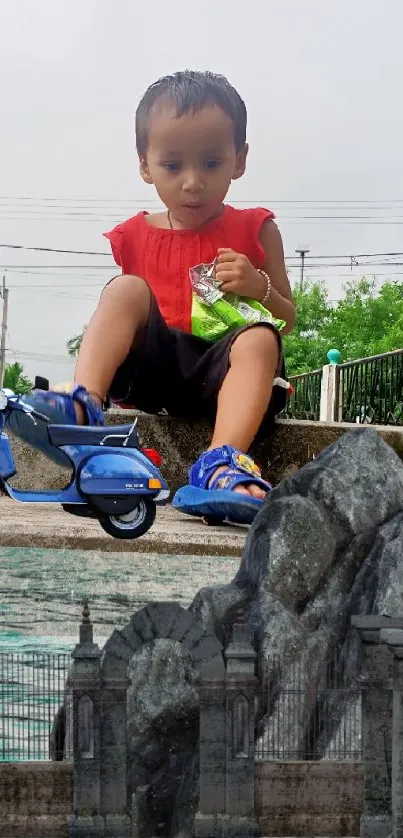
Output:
x,y
131,524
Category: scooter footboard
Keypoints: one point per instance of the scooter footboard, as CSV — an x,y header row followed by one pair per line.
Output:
x,y
7,464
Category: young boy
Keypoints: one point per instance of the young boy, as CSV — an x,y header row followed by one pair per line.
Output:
x,y
138,347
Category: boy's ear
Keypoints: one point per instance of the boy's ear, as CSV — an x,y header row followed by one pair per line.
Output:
x,y
240,164
144,170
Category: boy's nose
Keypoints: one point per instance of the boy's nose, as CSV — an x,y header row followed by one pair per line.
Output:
x,y
192,182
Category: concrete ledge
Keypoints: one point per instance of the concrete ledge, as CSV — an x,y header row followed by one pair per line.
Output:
x,y
48,526
292,444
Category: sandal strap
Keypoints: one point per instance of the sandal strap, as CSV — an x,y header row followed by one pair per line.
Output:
x,y
202,470
74,393
230,477
94,412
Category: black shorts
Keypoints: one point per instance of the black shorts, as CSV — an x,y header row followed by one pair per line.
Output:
x,y
180,373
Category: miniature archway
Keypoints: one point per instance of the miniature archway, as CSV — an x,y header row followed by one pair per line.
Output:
x,y
158,620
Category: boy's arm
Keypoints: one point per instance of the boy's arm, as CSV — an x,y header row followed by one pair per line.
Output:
x,y
280,302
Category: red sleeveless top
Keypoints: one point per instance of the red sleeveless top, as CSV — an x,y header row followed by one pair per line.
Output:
x,y
163,257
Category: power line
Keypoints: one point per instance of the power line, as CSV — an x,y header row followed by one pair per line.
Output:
x,y
55,250
59,267
277,201
104,253
41,356
283,220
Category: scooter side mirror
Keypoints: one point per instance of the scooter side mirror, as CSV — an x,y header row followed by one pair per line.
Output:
x,y
41,383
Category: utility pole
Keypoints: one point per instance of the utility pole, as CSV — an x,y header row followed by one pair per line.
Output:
x,y
302,250
4,296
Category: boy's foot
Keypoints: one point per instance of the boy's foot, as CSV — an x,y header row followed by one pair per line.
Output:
x,y
77,407
213,483
244,488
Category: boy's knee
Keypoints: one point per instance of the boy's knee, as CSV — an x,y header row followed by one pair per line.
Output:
x,y
256,339
130,291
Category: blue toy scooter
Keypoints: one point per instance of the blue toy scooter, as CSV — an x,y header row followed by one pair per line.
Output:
x,y
114,479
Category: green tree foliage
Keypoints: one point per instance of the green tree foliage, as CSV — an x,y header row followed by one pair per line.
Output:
x,y
15,379
73,345
306,346
366,321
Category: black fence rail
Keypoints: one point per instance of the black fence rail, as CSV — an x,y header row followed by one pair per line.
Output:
x,y
304,403
31,691
306,716
310,715
371,390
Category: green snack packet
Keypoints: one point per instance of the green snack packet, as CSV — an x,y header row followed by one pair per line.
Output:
x,y
215,314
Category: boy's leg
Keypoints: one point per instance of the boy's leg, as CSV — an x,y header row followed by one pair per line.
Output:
x,y
245,393
234,380
115,327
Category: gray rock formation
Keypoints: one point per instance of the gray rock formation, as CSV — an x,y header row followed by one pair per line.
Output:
x,y
327,544
163,722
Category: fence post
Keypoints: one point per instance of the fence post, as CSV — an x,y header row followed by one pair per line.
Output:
x,y
394,640
212,782
241,685
115,804
329,393
86,820
376,682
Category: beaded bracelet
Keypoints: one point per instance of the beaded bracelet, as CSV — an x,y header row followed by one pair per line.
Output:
x,y
268,287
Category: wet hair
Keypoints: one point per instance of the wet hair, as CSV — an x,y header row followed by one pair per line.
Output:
x,y
190,91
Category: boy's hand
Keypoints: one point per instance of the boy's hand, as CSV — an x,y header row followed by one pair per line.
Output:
x,y
236,274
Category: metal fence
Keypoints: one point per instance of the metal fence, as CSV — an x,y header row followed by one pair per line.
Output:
x,y
31,691
304,403
307,717
310,716
371,390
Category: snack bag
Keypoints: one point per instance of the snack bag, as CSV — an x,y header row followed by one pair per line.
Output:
x,y
215,314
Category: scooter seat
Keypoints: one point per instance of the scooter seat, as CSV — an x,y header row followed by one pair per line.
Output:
x,y
112,436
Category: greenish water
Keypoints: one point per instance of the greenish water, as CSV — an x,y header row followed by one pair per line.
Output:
x,y
42,591
40,611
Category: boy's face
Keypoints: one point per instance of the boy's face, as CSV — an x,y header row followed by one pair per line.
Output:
x,y
191,161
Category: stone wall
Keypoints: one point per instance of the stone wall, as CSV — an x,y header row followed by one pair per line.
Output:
x,y
291,798
36,799
309,798
292,444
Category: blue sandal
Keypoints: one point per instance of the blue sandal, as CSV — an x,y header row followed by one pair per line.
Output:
x,y
217,501
58,407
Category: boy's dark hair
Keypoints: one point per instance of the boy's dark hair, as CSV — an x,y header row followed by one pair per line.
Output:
x,y
190,90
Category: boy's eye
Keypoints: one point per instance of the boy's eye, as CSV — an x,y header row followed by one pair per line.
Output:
x,y
172,165
212,163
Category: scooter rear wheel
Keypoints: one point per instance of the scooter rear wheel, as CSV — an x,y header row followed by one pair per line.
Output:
x,y
132,524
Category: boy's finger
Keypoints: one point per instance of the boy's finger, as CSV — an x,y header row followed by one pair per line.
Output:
x,y
225,276
224,264
228,287
226,255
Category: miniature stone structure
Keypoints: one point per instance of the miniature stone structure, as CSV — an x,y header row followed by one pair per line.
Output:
x,y
98,683
394,640
227,746
376,685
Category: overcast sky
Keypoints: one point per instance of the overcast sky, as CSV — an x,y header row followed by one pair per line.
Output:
x,y
323,85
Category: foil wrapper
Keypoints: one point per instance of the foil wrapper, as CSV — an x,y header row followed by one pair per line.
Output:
x,y
204,283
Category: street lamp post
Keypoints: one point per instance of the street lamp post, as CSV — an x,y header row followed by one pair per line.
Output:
x,y
303,249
